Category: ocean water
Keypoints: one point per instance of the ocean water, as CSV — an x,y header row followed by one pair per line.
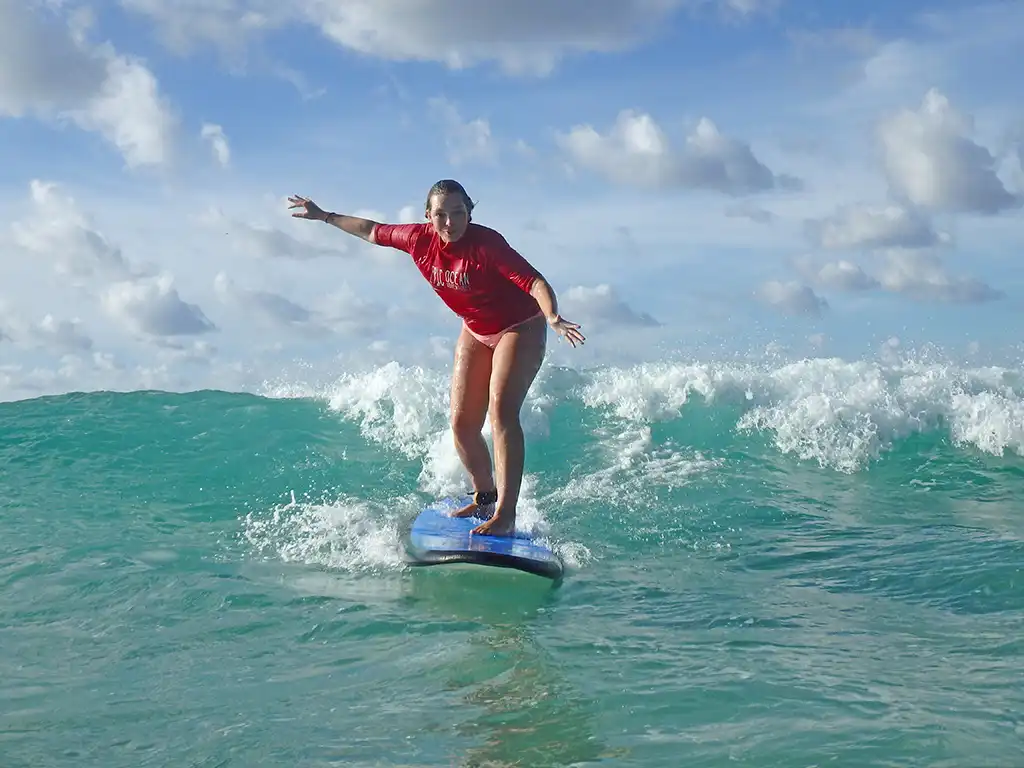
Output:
x,y
815,563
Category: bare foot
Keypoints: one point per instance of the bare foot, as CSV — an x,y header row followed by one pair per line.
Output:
x,y
481,506
475,510
501,524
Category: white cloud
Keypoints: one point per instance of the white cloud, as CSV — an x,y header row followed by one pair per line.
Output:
x,y
932,165
267,242
282,312
748,7
526,37
525,150
49,70
57,230
888,73
48,333
918,274
637,152
60,334
791,297
600,306
465,140
348,312
968,48
839,275
864,226
341,311
921,275
214,135
864,207
151,307
754,213
229,24
529,37
931,160
194,352
130,112
43,68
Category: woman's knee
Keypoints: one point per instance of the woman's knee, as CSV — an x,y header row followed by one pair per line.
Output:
x,y
469,386
467,425
504,411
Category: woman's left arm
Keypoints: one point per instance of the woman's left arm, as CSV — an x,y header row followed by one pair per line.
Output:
x,y
545,296
512,266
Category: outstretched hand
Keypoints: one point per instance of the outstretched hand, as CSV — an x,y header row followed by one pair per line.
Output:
x,y
310,210
567,329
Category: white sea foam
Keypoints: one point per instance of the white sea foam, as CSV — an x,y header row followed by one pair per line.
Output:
x,y
406,410
838,413
346,534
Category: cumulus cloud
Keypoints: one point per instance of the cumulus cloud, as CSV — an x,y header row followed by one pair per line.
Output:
x,y
59,334
921,275
636,151
152,307
864,226
918,274
932,165
932,161
340,312
754,213
965,46
49,70
130,112
465,140
193,351
749,7
143,299
601,306
525,38
842,275
43,66
213,135
791,297
349,313
56,229
230,25
528,37
280,311
264,241
48,333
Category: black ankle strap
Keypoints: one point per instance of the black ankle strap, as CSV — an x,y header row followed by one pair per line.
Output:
x,y
480,498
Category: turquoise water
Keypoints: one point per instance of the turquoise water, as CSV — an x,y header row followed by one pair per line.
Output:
x,y
817,564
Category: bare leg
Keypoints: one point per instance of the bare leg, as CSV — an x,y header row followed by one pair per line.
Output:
x,y
470,380
517,360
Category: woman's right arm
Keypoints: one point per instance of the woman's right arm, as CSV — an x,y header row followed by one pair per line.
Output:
x,y
354,225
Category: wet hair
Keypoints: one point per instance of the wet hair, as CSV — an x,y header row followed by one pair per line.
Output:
x,y
450,187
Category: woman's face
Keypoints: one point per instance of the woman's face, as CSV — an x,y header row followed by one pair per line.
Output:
x,y
449,215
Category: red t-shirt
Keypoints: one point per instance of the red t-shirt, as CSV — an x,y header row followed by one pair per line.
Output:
x,y
480,276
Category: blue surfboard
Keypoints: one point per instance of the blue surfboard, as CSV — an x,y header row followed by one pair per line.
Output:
x,y
437,538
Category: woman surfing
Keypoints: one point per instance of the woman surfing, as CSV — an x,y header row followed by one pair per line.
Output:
x,y
506,306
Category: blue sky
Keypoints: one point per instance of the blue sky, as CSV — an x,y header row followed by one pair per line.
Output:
x,y
740,171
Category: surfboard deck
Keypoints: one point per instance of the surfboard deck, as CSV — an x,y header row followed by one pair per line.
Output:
x,y
437,538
